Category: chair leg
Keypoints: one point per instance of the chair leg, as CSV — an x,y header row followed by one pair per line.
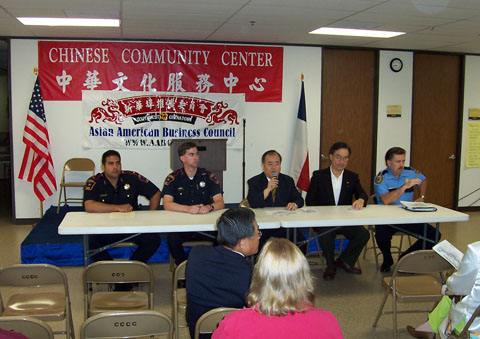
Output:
x,y
171,264
59,198
374,246
380,311
320,255
394,298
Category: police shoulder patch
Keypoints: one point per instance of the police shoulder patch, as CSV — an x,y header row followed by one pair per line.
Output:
x,y
379,178
142,178
90,184
214,178
170,178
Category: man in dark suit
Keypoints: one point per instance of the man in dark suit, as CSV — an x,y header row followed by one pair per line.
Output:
x,y
274,189
338,186
220,276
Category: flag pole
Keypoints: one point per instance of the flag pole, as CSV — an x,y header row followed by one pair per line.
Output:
x,y
302,77
35,71
243,160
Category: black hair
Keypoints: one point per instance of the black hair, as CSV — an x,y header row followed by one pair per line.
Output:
x,y
271,152
235,224
339,145
110,153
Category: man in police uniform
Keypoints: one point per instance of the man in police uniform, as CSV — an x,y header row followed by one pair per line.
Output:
x,y
115,190
191,190
394,184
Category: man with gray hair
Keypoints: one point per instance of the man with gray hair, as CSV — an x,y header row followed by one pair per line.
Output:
x,y
220,276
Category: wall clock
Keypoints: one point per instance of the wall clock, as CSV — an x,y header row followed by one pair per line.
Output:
x,y
396,65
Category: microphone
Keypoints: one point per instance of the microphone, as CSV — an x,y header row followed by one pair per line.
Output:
x,y
274,191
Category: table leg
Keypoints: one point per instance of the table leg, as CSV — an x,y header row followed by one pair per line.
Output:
x,y
424,244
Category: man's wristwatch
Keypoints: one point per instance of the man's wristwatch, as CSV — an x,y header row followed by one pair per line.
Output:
x,y
212,208
423,197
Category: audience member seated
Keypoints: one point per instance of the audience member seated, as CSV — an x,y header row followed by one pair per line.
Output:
x,y
449,315
220,276
280,300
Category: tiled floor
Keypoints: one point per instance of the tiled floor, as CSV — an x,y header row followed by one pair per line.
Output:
x,y
354,300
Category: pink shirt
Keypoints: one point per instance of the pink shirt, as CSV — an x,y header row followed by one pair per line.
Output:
x,y
248,324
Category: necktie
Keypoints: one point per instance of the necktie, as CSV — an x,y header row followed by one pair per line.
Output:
x,y
274,191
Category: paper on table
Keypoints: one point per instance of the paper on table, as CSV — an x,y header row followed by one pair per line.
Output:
x,y
449,252
121,215
287,212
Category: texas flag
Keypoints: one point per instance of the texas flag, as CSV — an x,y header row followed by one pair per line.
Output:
x,y
299,169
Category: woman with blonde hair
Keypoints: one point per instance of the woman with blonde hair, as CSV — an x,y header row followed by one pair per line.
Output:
x,y
280,300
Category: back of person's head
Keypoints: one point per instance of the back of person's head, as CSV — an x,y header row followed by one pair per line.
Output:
x,y
109,153
185,146
235,224
394,151
281,281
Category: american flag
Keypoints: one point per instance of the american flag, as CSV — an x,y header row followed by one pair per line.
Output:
x,y
37,162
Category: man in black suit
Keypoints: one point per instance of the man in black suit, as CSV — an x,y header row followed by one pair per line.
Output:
x,y
338,186
274,189
220,276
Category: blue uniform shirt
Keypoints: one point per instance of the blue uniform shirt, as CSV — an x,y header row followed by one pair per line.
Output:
x,y
386,182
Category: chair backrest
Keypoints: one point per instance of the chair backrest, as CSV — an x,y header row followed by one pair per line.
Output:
x,y
208,322
33,275
127,325
30,327
179,274
80,165
423,261
118,271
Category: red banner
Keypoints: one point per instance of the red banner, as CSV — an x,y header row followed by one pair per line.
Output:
x,y
68,67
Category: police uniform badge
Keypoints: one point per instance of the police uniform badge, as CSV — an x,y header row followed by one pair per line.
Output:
x,y
379,179
202,184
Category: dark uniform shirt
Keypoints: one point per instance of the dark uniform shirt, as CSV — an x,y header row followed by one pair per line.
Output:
x,y
185,191
129,186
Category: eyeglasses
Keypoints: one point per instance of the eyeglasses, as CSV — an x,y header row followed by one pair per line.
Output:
x,y
339,157
259,233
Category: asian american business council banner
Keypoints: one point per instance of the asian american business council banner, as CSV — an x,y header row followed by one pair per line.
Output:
x,y
68,67
151,120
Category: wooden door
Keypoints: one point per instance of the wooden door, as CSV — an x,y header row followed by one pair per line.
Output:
x,y
348,108
435,123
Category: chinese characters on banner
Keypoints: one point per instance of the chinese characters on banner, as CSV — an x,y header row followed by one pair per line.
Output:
x,y
68,67
139,120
